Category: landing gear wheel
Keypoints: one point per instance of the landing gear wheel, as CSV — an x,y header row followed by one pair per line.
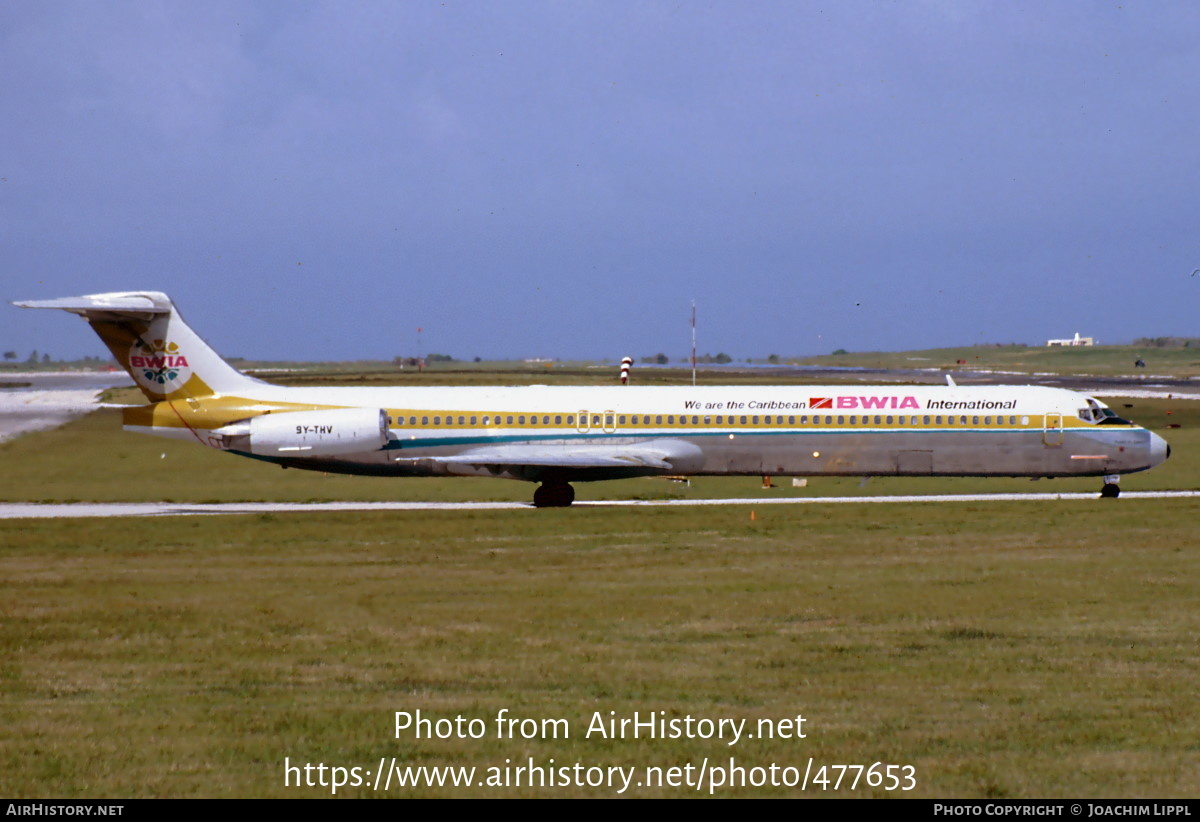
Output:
x,y
553,496
1110,490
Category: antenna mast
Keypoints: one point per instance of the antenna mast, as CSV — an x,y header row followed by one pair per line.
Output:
x,y
693,342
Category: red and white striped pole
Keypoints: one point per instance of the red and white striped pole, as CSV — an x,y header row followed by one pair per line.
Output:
x,y
626,364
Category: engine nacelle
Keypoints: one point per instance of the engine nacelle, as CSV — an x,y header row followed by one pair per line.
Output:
x,y
308,433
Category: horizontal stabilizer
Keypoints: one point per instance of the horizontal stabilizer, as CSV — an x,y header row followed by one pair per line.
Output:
x,y
122,303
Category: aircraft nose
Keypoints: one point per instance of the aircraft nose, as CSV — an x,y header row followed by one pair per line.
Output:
x,y
1159,450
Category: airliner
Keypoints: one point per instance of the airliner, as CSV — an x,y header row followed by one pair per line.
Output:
x,y
554,436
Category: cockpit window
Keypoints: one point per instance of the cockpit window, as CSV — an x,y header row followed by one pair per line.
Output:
x,y
1110,418
1098,414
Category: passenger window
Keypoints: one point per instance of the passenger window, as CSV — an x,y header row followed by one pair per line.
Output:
x,y
854,420
791,420
510,419
889,420
671,419
558,419
708,420
743,420
658,420
570,419
474,420
621,420
424,420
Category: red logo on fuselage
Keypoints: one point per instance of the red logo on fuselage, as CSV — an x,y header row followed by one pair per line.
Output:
x,y
863,402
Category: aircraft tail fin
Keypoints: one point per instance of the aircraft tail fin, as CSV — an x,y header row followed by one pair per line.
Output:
x,y
145,333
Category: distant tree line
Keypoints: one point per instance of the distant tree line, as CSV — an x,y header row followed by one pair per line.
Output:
x,y
705,359
1167,342
44,358
414,361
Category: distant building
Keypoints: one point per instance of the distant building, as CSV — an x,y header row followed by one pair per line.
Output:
x,y
1078,340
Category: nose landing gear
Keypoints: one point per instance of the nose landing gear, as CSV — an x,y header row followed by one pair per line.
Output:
x,y
553,495
1111,490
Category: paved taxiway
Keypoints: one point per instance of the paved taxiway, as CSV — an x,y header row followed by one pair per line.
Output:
x,y
30,510
48,400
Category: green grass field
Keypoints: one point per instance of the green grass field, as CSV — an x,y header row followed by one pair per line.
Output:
x,y
1101,360
1035,649
1002,650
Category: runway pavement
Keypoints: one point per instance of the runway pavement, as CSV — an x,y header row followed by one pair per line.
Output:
x,y
50,399
27,510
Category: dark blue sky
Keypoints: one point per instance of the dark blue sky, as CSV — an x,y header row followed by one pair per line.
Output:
x,y
317,180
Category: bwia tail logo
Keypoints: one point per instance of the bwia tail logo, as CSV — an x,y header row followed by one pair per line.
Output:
x,y
158,363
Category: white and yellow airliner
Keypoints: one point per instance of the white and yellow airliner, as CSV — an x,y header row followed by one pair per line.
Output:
x,y
558,435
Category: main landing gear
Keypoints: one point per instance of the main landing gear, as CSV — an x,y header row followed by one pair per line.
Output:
x,y
553,495
1111,490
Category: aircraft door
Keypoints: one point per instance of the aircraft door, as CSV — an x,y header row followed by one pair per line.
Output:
x,y
583,422
610,422
1052,428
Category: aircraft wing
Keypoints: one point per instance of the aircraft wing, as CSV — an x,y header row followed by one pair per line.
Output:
x,y
652,456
